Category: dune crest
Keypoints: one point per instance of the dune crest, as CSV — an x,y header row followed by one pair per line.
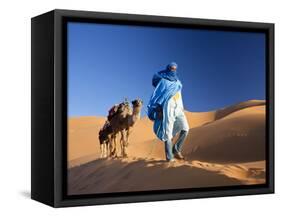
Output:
x,y
197,119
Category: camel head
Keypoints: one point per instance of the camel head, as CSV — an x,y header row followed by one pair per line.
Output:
x,y
137,103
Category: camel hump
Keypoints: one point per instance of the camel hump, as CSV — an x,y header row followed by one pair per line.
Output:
x,y
112,111
118,108
105,126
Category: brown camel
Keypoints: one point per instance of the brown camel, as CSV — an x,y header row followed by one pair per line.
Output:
x,y
123,123
104,138
117,121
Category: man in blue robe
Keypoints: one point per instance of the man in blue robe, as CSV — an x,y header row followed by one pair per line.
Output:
x,y
166,109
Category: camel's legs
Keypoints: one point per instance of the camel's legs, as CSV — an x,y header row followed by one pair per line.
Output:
x,y
116,146
106,149
122,143
124,154
128,132
110,147
114,152
101,150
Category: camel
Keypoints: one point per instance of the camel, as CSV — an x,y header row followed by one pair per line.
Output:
x,y
117,121
104,138
123,123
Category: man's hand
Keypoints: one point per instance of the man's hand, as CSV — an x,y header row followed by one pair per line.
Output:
x,y
160,115
159,112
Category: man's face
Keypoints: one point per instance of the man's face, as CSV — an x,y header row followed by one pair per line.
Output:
x,y
173,68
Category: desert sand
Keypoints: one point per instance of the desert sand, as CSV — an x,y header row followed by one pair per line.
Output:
x,y
225,147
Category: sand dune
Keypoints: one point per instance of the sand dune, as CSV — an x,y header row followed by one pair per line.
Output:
x,y
237,137
233,138
82,139
224,147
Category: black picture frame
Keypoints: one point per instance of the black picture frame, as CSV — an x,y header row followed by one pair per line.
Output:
x,y
49,110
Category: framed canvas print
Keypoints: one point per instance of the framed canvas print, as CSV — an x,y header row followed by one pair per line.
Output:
x,y
131,108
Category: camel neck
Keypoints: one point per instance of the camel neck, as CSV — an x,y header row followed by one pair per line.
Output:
x,y
136,111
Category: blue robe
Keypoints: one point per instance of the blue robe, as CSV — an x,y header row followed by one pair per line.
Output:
x,y
164,90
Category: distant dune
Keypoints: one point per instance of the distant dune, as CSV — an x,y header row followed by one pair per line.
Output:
x,y
83,138
224,147
236,135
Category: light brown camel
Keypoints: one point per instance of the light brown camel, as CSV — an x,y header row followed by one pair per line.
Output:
x,y
117,120
123,123
131,121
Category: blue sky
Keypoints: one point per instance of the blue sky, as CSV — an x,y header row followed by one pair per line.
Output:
x,y
107,63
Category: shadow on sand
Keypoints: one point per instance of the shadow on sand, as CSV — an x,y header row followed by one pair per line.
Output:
x,y
117,175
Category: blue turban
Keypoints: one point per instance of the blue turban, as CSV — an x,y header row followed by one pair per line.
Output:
x,y
166,74
172,64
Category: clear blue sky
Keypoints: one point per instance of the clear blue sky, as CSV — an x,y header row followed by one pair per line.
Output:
x,y
107,63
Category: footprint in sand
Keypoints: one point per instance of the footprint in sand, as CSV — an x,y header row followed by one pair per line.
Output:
x,y
256,173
